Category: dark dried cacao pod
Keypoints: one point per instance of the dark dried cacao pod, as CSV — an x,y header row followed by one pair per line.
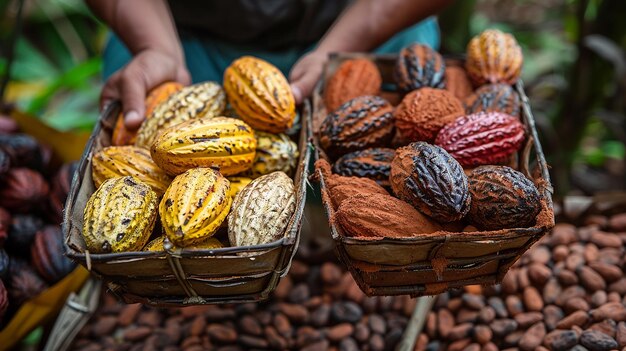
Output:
x,y
22,233
4,301
23,282
374,164
419,66
363,122
494,98
61,184
47,254
23,150
502,198
5,163
23,190
5,225
482,138
353,78
431,180
4,264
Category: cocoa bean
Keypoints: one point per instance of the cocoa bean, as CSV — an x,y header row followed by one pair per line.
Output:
x,y
525,320
137,333
472,347
598,220
321,345
597,341
455,304
574,261
377,343
274,339
349,344
578,318
522,278
346,312
563,234
306,336
567,277
539,273
509,282
599,298
105,326
264,317
570,293
551,316
591,253
377,324
460,331
611,310
197,326
482,334
361,332
533,337
489,347
459,345
150,318
611,255
474,302
620,334
513,338
445,322
249,325
295,313
575,304
539,254
560,253
560,340
420,344
340,331
498,306
532,299
282,324
487,314
284,287
393,337
299,294
330,273
614,297
514,305
128,314
617,222
219,314
431,324
604,239
551,291
464,315
607,326
354,293
619,286
502,327
320,316
590,279
221,333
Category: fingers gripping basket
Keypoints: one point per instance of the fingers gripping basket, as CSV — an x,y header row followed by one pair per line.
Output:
x,y
179,276
432,264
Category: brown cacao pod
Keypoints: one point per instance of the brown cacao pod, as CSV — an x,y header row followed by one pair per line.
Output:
x,y
61,184
353,78
22,233
493,98
502,198
260,94
274,152
482,138
374,164
47,254
422,113
24,190
428,178
5,225
5,164
4,301
23,151
457,82
4,264
237,184
363,122
23,282
419,66
493,57
262,210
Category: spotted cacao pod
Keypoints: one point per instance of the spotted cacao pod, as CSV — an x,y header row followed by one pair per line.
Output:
x,y
274,152
493,57
262,210
194,206
122,135
203,100
457,82
428,178
419,66
4,302
422,113
5,164
363,122
24,190
119,216
22,233
24,151
237,184
61,184
223,143
353,78
119,161
482,138
23,282
5,225
494,98
4,264
369,163
157,244
260,94
47,254
502,198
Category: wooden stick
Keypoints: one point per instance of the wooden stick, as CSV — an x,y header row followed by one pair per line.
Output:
x,y
416,323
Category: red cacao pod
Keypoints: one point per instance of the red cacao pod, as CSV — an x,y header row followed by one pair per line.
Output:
x,y
419,66
4,264
22,233
502,198
24,151
353,78
493,57
373,163
5,224
61,184
24,283
5,163
23,190
47,254
493,98
4,301
482,138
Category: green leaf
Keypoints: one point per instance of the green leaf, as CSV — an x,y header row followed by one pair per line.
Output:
x,y
614,149
30,64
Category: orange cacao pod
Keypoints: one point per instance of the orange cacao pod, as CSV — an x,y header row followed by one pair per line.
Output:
x,y
352,79
493,57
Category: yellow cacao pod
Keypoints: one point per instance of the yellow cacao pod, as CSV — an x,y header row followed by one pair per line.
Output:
x,y
223,143
119,216
201,100
157,244
494,57
260,94
194,206
119,161
274,152
262,210
237,184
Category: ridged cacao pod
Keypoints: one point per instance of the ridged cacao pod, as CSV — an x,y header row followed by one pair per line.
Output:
x,y
157,244
260,94
237,184
457,82
5,164
428,178
502,198
353,78
493,98
422,113
203,100
262,210
419,66
374,164
363,122
22,233
493,57
482,138
61,184
119,161
47,255
194,206
223,143
119,216
4,302
23,282
4,264
8,125
5,225
123,136
23,150
23,190
274,152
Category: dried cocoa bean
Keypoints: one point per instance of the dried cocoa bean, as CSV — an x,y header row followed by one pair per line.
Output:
x,y
590,279
598,298
604,239
487,314
137,334
560,253
361,332
539,254
574,261
454,304
473,301
607,326
597,341
284,287
249,325
498,306
611,310
533,337
551,316
445,322
320,316
482,334
513,338
525,320
532,299
570,293
610,273
464,315
431,325
522,278
307,336
563,234
621,334
539,273
618,287
578,318
128,314
330,273
560,340
282,324
197,326
509,282
567,277
346,312
575,304
551,291
377,324
349,344
502,327
295,313
460,331
591,253
459,345
221,333
340,331
514,305
377,343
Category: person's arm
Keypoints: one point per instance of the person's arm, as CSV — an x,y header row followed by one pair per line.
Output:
x,y
148,30
363,26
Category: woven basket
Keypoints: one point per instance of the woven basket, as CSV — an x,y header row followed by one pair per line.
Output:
x,y
184,277
400,266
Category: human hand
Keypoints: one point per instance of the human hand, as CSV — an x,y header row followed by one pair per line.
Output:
x,y
131,83
305,74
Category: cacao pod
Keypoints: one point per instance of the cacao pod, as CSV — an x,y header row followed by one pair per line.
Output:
x,y
119,216
4,264
203,100
493,57
157,244
428,178
123,136
274,152
23,151
493,98
422,113
482,138
8,125
194,206
260,94
119,161
5,224
502,198
61,184
22,233
363,122
4,302
353,78
237,184
23,190
457,82
47,255
23,282
223,143
262,210
369,163
5,163
419,66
